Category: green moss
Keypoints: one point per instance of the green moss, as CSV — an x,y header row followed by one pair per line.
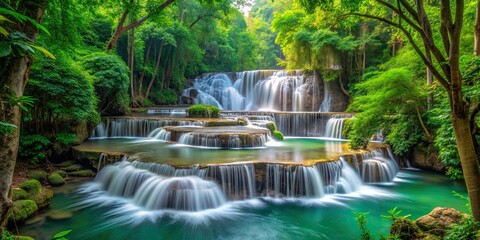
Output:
x,y
277,135
32,186
203,111
39,175
43,198
220,123
271,126
66,163
55,179
19,194
22,210
72,168
83,173
61,173
23,238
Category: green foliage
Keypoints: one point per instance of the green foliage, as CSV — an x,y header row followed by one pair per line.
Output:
x,y
61,235
394,214
39,175
203,111
19,194
111,82
277,135
361,218
34,148
164,97
6,128
32,186
55,179
66,139
466,229
7,235
66,94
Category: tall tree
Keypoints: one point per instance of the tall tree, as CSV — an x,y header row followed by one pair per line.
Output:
x,y
412,19
14,69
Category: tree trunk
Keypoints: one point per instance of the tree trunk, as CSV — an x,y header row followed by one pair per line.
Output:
x,y
13,78
155,71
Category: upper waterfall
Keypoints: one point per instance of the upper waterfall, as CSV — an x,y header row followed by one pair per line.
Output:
x,y
283,90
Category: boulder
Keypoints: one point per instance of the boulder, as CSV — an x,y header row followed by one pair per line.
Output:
x,y
56,179
425,159
439,220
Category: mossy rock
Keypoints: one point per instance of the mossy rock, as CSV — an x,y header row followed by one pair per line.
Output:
x,y
82,173
32,186
19,194
61,173
56,179
66,163
72,168
60,215
43,198
39,175
22,210
271,126
277,135
403,228
23,238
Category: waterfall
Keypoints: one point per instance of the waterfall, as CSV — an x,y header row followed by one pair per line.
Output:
x,y
237,181
160,134
223,141
327,99
334,127
379,165
350,181
135,127
253,90
290,181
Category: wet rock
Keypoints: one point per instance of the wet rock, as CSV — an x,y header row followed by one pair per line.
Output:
x,y
403,228
72,168
439,220
60,215
32,186
35,220
55,179
82,173
424,158
21,211
65,164
43,198
39,175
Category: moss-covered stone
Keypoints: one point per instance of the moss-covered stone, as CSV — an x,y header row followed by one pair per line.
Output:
x,y
22,210
65,164
82,173
277,135
32,186
43,198
19,194
39,175
72,168
56,179
403,228
271,126
61,173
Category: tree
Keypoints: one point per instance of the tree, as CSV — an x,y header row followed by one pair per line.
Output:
x,y
412,19
14,69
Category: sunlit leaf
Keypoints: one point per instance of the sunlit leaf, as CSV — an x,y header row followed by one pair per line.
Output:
x,y
43,50
61,234
3,31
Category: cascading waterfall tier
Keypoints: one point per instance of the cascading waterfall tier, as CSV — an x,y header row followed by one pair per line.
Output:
x,y
379,165
255,90
334,127
136,127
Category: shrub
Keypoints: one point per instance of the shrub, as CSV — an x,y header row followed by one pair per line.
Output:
x,y
34,147
111,82
203,111
465,230
55,179
32,186
22,210
277,135
164,97
39,175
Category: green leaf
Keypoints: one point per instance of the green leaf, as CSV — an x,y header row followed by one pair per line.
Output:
x,y
61,234
5,49
2,18
6,124
39,26
43,50
3,31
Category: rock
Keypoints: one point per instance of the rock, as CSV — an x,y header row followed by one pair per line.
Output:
x,y
72,168
425,159
65,164
60,215
35,220
39,175
439,220
55,179
61,173
43,198
82,173
22,210
19,194
32,186
403,228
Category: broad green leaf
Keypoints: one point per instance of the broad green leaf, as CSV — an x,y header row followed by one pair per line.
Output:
x,y
2,18
24,46
5,48
18,16
6,124
3,31
61,234
39,26
43,50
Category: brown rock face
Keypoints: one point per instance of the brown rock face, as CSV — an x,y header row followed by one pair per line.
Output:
x,y
439,220
427,160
